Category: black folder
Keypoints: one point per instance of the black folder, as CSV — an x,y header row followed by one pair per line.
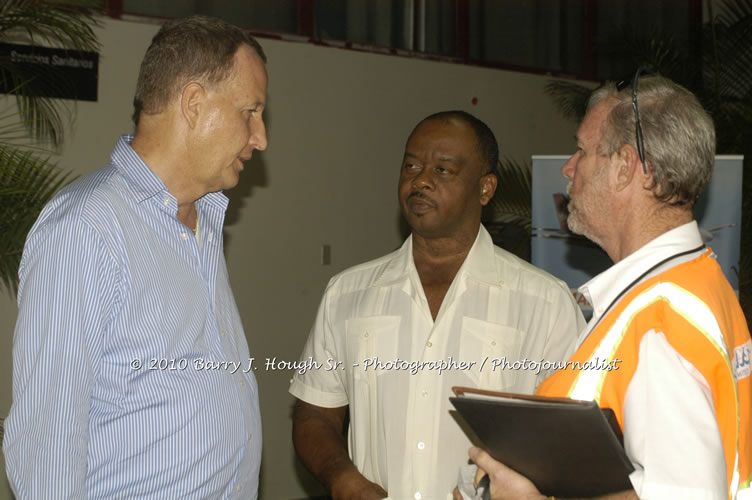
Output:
x,y
567,448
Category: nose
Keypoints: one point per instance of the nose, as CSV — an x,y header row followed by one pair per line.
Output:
x,y
257,139
423,180
568,169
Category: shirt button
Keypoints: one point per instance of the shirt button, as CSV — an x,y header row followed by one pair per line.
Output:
x,y
184,236
210,237
224,334
417,495
242,383
421,445
239,488
424,394
493,342
249,436
365,335
166,201
429,344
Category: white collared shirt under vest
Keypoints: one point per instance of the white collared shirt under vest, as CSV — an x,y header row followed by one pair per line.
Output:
x,y
374,319
664,449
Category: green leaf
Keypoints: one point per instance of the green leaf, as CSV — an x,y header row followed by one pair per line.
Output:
x,y
27,182
68,25
512,202
29,179
570,98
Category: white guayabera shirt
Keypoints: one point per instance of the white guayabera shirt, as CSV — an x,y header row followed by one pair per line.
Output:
x,y
379,351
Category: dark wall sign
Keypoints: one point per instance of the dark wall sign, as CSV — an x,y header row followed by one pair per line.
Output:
x,y
60,73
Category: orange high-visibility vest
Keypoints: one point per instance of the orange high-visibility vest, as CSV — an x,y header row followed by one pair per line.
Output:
x,y
696,309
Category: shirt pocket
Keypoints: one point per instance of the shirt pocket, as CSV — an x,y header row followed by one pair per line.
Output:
x,y
485,343
369,338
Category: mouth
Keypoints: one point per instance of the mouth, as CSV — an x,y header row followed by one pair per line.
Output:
x,y
419,203
568,199
241,162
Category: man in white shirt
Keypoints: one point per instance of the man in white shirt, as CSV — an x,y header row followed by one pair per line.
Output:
x,y
664,309
448,308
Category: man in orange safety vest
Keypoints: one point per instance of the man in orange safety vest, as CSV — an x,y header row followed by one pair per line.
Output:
x,y
682,394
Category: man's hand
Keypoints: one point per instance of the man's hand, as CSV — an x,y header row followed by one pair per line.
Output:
x,y
505,483
509,484
351,485
318,435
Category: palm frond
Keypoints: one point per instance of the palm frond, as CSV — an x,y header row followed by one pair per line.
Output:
x,y
733,11
27,182
41,116
66,25
29,179
13,131
652,48
512,202
732,75
570,98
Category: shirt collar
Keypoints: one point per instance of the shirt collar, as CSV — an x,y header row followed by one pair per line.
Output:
x,y
479,264
601,290
142,179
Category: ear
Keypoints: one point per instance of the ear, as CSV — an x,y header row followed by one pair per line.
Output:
x,y
191,99
628,167
487,188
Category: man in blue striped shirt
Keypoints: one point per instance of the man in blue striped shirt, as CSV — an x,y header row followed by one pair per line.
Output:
x,y
125,354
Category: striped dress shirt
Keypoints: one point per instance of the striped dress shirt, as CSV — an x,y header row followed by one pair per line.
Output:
x,y
130,364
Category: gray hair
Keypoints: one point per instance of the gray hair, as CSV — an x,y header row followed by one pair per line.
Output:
x,y
679,136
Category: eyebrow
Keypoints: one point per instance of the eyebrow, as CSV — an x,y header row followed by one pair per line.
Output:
x,y
443,159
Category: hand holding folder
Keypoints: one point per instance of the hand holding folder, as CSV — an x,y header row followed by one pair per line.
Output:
x,y
567,448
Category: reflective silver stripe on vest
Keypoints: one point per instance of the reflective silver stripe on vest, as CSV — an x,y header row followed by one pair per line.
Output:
x,y
588,384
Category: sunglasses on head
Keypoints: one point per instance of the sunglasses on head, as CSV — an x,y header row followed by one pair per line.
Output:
x,y
638,125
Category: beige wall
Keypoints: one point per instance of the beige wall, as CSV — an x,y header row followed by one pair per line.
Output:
x,y
337,123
